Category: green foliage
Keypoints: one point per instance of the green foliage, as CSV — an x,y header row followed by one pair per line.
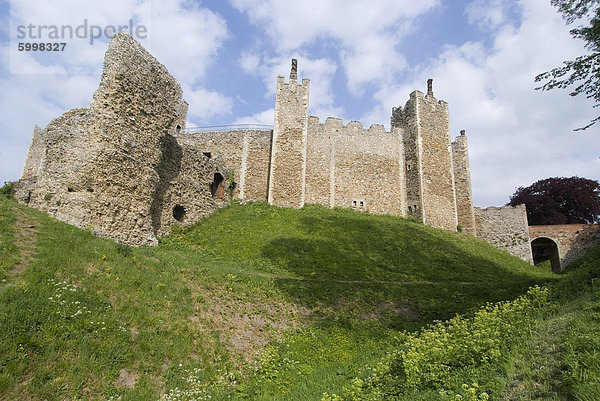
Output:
x,y
430,356
321,243
9,252
124,250
434,357
584,71
7,190
230,185
560,361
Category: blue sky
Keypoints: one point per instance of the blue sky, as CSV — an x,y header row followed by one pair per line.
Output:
x,y
363,58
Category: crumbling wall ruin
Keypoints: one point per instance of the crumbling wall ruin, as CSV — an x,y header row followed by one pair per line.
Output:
x,y
34,160
114,167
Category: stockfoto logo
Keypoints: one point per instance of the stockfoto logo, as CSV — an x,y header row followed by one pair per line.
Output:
x,y
43,33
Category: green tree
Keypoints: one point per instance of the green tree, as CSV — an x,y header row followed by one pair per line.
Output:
x,y
584,71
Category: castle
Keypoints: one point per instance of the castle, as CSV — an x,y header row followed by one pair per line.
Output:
x,y
126,168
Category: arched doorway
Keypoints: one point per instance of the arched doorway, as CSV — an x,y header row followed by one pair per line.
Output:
x,y
544,249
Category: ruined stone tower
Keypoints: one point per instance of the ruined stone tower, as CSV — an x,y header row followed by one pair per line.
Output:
x,y
115,167
430,190
288,153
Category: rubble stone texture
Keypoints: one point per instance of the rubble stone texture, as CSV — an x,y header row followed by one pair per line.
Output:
x,y
115,167
462,181
288,156
245,152
505,228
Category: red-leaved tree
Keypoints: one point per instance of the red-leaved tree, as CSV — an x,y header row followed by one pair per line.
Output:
x,y
560,201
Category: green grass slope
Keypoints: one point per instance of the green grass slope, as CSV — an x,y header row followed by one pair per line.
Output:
x,y
341,254
254,302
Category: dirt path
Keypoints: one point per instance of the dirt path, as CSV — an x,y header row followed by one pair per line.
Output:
x,y
26,232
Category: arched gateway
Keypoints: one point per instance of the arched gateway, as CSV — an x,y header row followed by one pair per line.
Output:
x,y
562,244
544,249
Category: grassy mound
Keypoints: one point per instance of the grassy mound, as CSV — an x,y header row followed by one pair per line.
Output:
x,y
253,302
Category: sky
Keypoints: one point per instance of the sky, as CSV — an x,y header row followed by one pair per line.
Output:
x,y
362,57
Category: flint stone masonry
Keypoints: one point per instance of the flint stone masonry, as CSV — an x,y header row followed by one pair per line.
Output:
x,y
35,155
113,167
439,200
288,153
125,167
245,152
572,240
505,228
348,163
405,123
428,159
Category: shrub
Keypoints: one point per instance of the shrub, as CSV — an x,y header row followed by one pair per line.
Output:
x,y
430,358
8,189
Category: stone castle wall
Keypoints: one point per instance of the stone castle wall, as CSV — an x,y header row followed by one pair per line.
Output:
x,y
125,167
113,167
246,152
320,161
353,167
437,176
405,122
505,228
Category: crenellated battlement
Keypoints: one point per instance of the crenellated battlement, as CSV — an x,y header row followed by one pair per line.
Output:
x,y
288,149
352,126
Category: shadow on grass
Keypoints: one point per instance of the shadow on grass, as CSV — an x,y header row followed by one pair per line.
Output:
x,y
383,267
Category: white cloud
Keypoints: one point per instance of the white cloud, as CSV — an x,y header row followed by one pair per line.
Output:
x,y
205,104
185,38
263,118
40,86
249,62
490,14
365,32
295,24
516,135
321,72
519,135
